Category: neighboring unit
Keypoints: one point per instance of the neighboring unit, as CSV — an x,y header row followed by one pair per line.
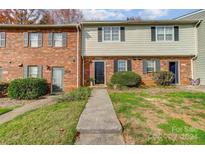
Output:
x,y
44,51
140,46
199,60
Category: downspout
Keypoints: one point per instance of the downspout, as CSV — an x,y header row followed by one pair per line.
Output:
x,y
196,42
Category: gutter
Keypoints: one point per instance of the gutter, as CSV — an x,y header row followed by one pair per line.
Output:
x,y
77,44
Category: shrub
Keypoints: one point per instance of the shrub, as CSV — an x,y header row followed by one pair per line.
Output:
x,y
29,88
81,93
129,79
3,88
163,78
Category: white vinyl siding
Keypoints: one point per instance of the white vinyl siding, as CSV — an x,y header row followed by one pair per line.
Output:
x,y
138,43
111,34
164,33
58,39
122,65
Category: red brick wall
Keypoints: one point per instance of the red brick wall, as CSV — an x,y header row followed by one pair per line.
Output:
x,y
137,66
15,54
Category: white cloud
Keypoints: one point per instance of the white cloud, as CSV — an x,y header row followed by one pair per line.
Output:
x,y
103,14
151,14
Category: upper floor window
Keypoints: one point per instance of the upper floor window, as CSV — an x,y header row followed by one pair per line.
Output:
x,y
111,33
165,33
57,39
122,65
33,39
2,39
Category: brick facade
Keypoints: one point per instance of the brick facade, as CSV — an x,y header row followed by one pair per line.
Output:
x,y
15,55
137,66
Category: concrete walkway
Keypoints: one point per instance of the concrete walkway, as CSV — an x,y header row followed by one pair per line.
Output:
x,y
98,123
28,107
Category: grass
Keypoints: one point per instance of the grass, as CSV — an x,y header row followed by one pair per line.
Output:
x,y
5,110
167,116
54,124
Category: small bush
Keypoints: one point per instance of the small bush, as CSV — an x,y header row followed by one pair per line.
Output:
x,y
129,79
163,78
81,93
3,88
29,88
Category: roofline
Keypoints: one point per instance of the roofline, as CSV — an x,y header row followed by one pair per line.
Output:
x,y
189,14
38,26
141,22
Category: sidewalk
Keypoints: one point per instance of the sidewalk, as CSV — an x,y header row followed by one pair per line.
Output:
x,y
98,123
28,107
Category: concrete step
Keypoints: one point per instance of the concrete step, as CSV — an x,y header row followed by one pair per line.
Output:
x,y
100,139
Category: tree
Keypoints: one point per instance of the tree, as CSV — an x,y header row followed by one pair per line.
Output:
x,y
133,18
36,16
20,16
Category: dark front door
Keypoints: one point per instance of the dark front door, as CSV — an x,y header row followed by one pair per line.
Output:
x,y
57,79
173,67
99,73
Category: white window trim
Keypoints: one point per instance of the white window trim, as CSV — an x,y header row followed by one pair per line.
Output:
x,y
165,34
155,67
110,35
118,65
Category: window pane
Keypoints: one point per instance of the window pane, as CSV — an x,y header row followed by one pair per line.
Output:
x,y
33,39
150,66
33,71
121,65
107,31
160,33
115,33
58,39
169,33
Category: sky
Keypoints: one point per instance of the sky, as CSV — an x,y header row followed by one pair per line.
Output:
x,y
145,14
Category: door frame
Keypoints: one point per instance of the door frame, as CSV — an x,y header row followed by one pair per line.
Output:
x,y
61,67
179,75
104,70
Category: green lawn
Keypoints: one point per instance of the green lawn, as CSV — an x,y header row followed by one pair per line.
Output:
x,y
165,116
5,110
54,124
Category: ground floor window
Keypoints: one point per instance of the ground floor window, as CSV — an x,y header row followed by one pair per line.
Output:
x,y
33,71
151,66
122,65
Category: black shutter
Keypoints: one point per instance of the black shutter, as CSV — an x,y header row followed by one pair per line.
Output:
x,y
144,66
153,33
99,34
157,65
129,65
115,66
122,34
176,33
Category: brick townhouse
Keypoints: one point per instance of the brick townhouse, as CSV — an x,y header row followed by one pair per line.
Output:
x,y
48,51
68,56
